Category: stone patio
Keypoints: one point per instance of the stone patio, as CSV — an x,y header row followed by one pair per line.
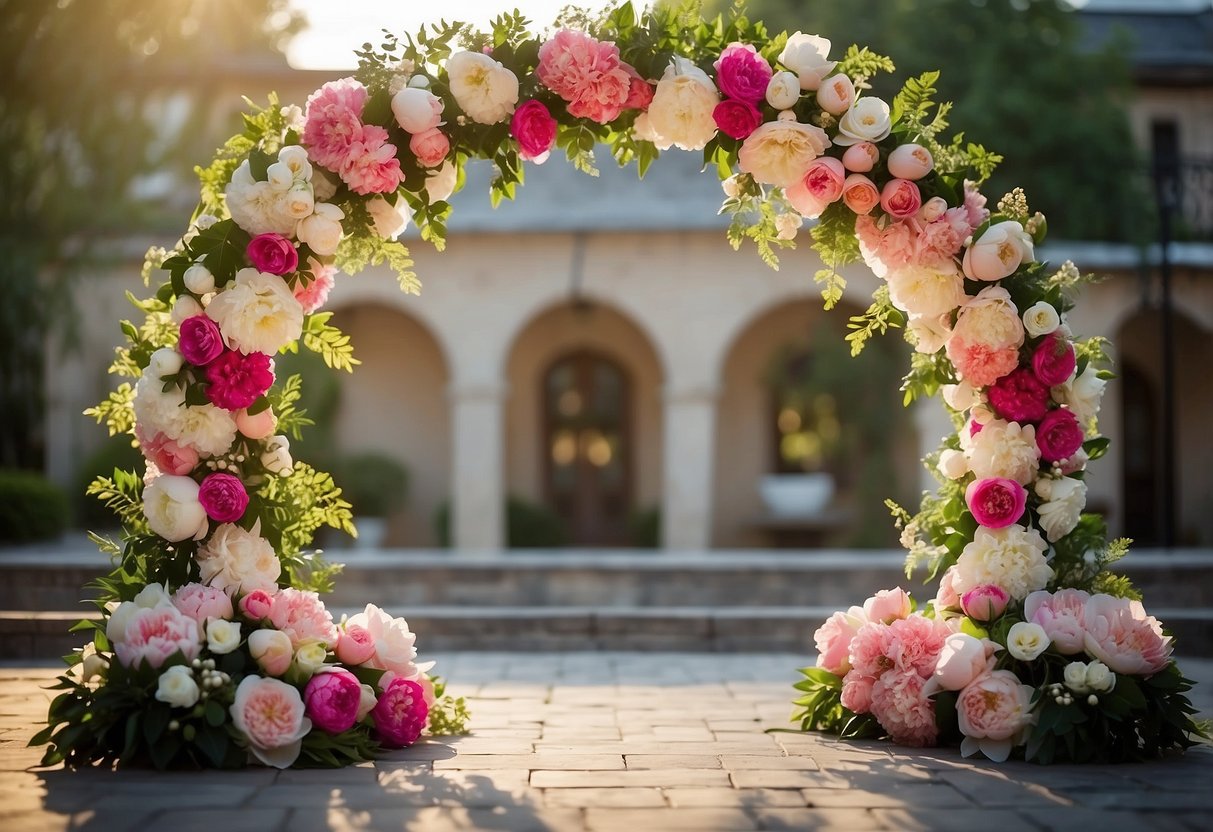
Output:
x,y
610,741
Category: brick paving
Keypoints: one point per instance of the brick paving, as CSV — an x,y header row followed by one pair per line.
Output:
x,y
610,741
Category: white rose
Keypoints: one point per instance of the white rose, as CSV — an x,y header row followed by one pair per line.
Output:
x,y
389,219
783,90
1012,558
277,456
1075,677
239,561
198,279
1004,449
1100,678
960,397
681,111
321,231
1066,499
1041,319
927,290
953,464
998,252
1082,395
368,701
172,509
177,687
786,226
185,307
868,120
165,361
808,57
280,176
310,657
295,158
931,332
222,637
836,94
440,183
1026,640
323,185
417,110
258,313
780,152
299,202
272,650
484,89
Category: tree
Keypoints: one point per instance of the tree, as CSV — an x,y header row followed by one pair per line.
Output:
x,y
1023,86
76,131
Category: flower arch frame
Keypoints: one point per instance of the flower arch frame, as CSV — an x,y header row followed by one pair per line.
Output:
x,y
211,620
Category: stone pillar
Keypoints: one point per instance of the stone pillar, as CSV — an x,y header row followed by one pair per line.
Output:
x,y
478,467
933,424
690,449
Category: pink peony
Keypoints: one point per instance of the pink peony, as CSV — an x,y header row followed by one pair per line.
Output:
x,y
915,642
993,711
200,342
985,342
640,92
903,709
201,602
223,497
736,118
256,605
900,198
1019,397
169,456
860,194
302,616
941,240
332,697
996,501
1054,361
857,692
400,714
270,715
430,147
886,246
888,605
334,122
975,206
980,364
985,602
152,636
272,253
1122,636
315,293
1059,436
371,166
870,648
235,380
1060,614
394,642
355,645
742,74
833,640
533,126
586,73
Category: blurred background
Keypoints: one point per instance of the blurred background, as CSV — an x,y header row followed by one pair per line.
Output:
x,y
592,365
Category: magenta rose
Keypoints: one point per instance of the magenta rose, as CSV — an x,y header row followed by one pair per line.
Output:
x,y
400,713
534,128
736,118
236,380
256,605
223,497
1059,436
273,253
332,697
900,198
200,342
996,502
1054,361
1019,397
742,74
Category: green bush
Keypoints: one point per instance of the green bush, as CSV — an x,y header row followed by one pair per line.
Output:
x,y
31,507
117,452
375,485
528,525
645,528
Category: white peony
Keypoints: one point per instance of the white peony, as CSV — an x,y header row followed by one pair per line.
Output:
x,y
484,89
868,120
808,57
277,456
953,464
222,637
783,90
258,313
927,290
177,687
1012,558
1066,499
645,132
171,507
931,332
960,396
681,111
389,219
321,231
780,152
1041,319
239,561
1082,395
394,642
440,183
417,110
1005,449
256,206
1026,640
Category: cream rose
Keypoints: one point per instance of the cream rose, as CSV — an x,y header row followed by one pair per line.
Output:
x,y
277,456
222,637
868,120
440,184
808,57
780,152
960,396
783,90
258,313
165,361
1026,640
930,332
239,561
389,219
836,95
681,111
417,110
309,658
1099,677
321,231
953,464
171,507
198,279
176,687
484,89
1075,677
272,650
1041,319
1082,394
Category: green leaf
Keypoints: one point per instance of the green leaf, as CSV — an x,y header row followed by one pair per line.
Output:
x,y
215,715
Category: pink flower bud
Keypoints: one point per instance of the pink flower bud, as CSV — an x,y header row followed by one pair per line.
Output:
x,y
910,161
985,602
256,605
861,157
355,645
258,425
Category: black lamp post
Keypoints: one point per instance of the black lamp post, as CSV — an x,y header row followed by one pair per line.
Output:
x,y
1166,193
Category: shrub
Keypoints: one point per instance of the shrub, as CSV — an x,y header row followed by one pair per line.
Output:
x,y
117,452
375,485
31,507
528,525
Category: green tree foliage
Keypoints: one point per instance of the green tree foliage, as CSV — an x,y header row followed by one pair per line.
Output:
x,y
82,81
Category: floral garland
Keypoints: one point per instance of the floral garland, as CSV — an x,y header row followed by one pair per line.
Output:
x,y
214,647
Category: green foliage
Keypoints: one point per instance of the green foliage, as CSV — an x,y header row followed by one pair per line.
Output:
x,y
834,239
116,453
328,342
528,525
31,507
449,716
375,484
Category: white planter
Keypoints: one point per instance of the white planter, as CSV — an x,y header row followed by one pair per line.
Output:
x,y
797,495
372,531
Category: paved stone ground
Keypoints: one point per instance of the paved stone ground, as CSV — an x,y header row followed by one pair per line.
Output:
x,y
610,741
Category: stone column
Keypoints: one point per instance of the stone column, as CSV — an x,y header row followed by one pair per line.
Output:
x,y
933,424
478,467
690,450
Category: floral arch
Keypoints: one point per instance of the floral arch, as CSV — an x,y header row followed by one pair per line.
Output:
x,y
213,647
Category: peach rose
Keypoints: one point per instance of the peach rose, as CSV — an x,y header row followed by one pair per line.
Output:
x,y
861,158
836,94
860,194
910,161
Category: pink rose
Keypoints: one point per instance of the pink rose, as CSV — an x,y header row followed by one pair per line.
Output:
x,y
993,712
860,194
900,198
534,128
332,697
825,179
857,692
861,157
1060,614
153,636
201,602
334,121
355,645
586,73
1122,636
996,502
833,640
985,602
640,92
256,425
270,716
962,660
742,74
223,496
302,616
272,650
1054,361
430,147
1059,436
910,161
888,605
169,456
736,118
946,597
400,714
1019,397
256,605
235,380
272,253
200,342
805,203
